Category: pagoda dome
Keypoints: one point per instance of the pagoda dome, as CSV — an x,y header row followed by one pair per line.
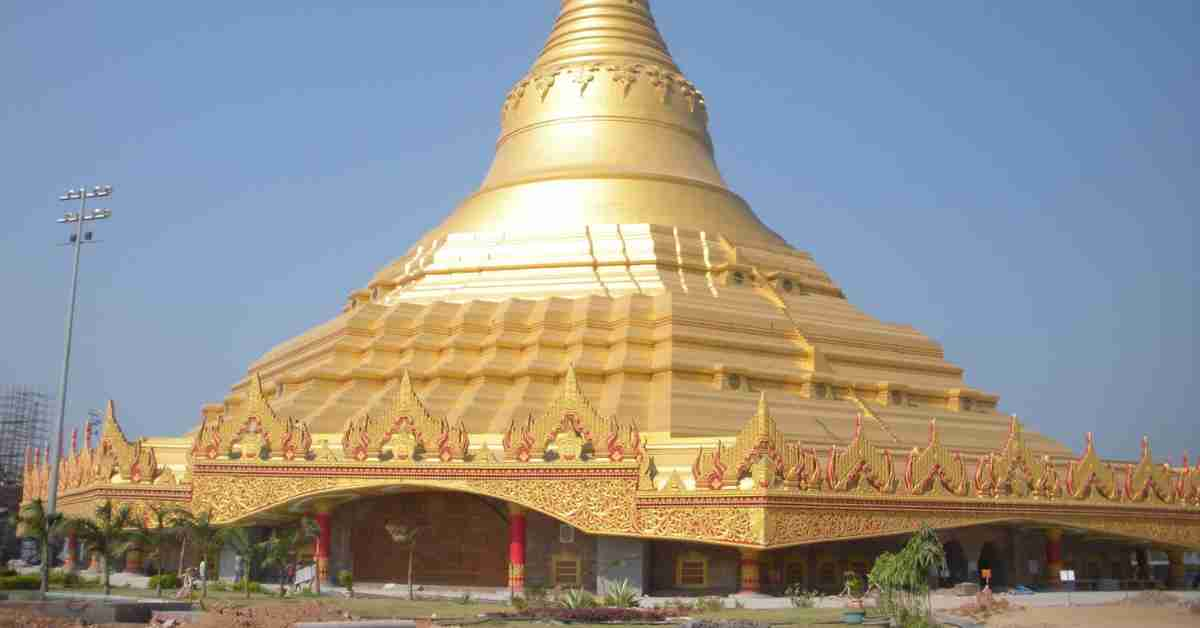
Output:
x,y
603,237
604,129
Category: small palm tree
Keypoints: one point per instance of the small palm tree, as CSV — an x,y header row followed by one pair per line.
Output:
x,y
283,548
406,537
252,553
33,521
153,538
109,533
199,529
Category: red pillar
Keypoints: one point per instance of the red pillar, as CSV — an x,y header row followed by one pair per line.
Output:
x,y
1054,562
516,549
72,560
750,573
324,522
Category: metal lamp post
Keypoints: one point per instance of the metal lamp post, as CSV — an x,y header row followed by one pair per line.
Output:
x,y
77,240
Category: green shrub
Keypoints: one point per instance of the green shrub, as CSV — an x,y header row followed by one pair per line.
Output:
x,y
168,580
346,579
577,598
20,583
621,595
255,587
218,585
802,598
464,599
65,579
520,604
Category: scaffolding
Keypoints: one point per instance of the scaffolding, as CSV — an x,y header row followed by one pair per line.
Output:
x,y
23,423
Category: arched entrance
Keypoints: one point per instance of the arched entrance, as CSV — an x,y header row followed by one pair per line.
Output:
x,y
989,558
956,562
460,539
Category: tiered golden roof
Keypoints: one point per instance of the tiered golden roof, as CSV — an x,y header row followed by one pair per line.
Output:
x,y
604,236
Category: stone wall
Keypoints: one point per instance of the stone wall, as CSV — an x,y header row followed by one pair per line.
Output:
x,y
546,538
722,568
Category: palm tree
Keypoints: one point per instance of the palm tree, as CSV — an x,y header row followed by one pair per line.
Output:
x,y
33,521
154,538
109,532
284,546
252,553
199,528
405,536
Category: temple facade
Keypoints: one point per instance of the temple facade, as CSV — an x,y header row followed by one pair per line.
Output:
x,y
603,366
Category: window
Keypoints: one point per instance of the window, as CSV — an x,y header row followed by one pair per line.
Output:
x,y
691,570
565,570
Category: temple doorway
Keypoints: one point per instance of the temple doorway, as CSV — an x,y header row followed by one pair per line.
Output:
x,y
462,539
956,563
989,558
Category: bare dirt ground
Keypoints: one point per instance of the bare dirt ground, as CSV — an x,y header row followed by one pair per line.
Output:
x,y
1098,617
1160,610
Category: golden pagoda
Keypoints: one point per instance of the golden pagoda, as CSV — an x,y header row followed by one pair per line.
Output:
x,y
604,352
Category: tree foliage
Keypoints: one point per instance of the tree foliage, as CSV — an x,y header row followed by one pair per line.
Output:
x,y
109,533
32,520
903,577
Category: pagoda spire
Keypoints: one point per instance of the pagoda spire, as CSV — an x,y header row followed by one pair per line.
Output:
x,y
604,31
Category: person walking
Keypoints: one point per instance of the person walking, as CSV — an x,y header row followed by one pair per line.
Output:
x,y
239,568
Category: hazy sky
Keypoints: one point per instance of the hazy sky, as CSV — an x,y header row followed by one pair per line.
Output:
x,y
1018,180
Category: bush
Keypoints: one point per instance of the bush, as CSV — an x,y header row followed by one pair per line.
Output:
x,y
66,579
254,587
733,623
599,615
520,604
621,595
577,598
20,583
346,579
169,580
802,598
218,585
709,605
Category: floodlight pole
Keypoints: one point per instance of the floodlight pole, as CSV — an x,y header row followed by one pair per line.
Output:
x,y
82,195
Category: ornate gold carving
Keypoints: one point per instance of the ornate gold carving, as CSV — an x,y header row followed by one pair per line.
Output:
x,y
544,82
934,470
802,468
231,497
1187,485
708,469
625,76
647,472
257,429
1088,478
861,467
594,505
721,524
1015,472
793,526
584,75
572,415
133,461
1149,480
408,429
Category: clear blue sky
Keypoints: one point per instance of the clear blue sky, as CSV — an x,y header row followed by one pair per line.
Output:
x,y
1018,180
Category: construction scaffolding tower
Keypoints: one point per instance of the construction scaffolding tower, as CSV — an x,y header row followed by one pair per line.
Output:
x,y
23,423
